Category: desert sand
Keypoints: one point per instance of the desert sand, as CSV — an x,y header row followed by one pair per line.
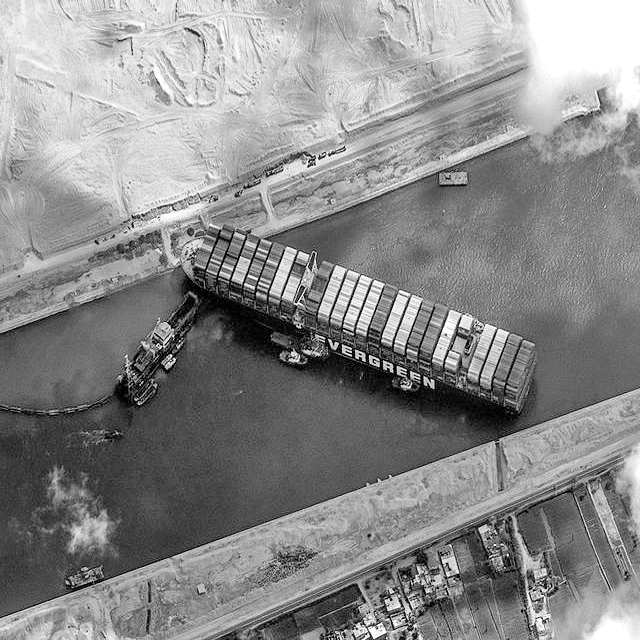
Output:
x,y
115,111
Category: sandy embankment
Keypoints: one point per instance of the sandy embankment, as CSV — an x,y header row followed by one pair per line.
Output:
x,y
80,279
377,160
114,114
350,534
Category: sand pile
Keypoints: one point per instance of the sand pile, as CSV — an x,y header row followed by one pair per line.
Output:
x,y
112,107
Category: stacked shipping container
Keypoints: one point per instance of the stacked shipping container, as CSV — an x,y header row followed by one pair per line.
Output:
x,y
409,333
256,272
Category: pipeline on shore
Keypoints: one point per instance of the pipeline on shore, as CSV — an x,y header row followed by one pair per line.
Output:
x,y
56,411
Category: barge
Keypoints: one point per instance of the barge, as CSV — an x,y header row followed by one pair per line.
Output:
x,y
136,384
420,341
453,178
84,577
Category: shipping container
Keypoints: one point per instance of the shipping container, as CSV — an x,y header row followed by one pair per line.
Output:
x,y
280,279
380,317
217,256
342,302
329,298
395,318
370,304
293,283
465,326
488,370
516,380
355,309
505,363
255,270
452,363
242,268
480,354
406,325
519,381
419,329
315,293
268,273
448,334
230,261
431,337
203,255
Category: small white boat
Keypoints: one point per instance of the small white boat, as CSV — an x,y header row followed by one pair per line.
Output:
x,y
314,348
168,362
405,384
293,358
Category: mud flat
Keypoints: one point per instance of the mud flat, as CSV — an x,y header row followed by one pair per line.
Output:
x,y
263,571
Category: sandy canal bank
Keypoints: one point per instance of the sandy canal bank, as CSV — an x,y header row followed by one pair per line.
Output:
x,y
376,160
248,581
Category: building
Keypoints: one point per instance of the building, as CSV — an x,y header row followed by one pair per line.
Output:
x,y
377,631
438,583
543,627
449,562
398,620
360,632
497,550
392,604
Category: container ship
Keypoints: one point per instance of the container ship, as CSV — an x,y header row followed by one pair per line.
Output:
x,y
136,383
337,310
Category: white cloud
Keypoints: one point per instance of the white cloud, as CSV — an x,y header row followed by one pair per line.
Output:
x,y
76,511
621,617
577,45
620,621
628,484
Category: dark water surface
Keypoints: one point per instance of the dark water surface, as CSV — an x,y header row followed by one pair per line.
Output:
x,y
233,438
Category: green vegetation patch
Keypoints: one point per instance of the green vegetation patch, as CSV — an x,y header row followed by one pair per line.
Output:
x,y
287,561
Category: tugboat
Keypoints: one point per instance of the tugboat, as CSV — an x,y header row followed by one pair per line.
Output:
x,y
168,362
315,348
113,434
453,178
293,358
84,577
404,384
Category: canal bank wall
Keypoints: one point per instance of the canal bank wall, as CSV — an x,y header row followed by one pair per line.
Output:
x,y
376,161
264,571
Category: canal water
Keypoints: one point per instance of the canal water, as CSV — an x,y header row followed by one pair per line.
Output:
x,y
233,438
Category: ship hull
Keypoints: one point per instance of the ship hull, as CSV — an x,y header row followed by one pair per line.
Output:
x,y
361,319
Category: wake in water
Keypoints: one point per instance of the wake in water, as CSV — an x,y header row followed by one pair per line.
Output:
x,y
96,436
